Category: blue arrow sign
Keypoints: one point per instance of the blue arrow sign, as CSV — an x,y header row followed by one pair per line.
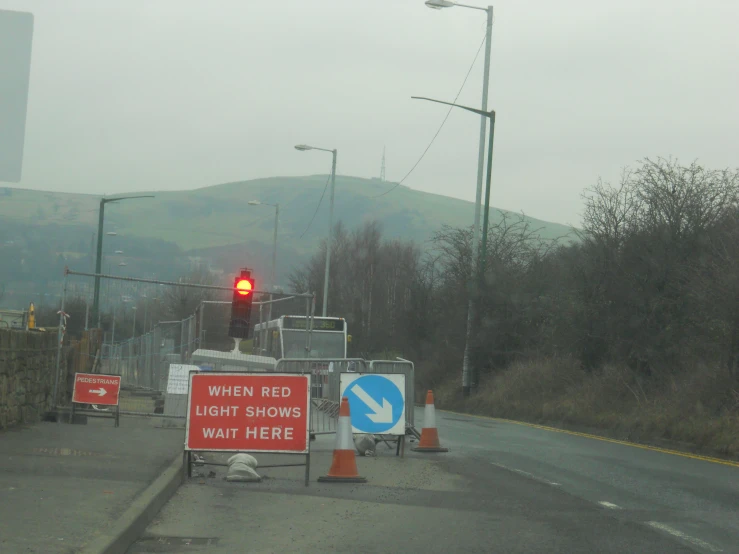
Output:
x,y
376,403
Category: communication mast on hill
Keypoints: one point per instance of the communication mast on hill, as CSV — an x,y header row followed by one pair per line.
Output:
x,y
382,167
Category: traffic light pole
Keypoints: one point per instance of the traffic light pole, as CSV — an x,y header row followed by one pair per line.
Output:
x,y
186,285
274,259
98,264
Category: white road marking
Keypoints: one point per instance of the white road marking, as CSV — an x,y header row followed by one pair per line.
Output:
x,y
527,474
609,505
683,536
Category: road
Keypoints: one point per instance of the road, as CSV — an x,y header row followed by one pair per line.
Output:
x,y
502,488
694,500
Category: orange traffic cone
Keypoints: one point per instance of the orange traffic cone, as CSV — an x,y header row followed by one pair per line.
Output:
x,y
429,434
344,464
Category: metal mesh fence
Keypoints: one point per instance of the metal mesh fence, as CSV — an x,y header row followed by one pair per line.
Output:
x,y
150,326
154,353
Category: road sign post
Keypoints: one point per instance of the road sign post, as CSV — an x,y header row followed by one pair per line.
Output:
x,y
377,402
96,389
250,413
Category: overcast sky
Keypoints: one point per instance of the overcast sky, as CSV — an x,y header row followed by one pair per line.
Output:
x,y
176,94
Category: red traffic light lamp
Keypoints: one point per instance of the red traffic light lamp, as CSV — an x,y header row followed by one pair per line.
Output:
x,y
243,286
238,327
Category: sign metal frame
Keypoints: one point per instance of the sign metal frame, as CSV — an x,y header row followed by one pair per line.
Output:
x,y
188,458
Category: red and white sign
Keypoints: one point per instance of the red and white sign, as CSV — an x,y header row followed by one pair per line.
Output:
x,y
93,388
248,412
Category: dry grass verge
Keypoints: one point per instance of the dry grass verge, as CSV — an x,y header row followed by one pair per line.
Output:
x,y
696,409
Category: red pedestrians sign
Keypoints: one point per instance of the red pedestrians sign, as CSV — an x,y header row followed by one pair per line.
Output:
x,y
248,412
91,388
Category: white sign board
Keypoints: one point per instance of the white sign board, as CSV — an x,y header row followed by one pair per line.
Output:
x,y
376,402
179,378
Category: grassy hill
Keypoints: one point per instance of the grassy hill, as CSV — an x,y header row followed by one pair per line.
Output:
x,y
220,215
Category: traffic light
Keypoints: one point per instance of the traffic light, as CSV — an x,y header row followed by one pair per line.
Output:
x,y
243,296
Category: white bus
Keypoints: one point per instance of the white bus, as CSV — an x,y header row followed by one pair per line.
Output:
x,y
286,337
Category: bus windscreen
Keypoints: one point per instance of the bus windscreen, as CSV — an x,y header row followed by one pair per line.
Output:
x,y
323,345
301,323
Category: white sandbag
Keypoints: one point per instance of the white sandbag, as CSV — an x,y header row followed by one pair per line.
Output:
x,y
241,468
242,472
247,459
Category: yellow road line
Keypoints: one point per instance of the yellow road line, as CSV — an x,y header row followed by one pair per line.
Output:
x,y
605,439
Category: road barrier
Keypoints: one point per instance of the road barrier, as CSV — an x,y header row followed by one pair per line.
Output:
x,y
326,374
326,390
139,346
199,343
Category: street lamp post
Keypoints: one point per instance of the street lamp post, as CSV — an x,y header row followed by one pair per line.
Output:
x,y
274,247
112,336
483,247
99,256
146,309
133,327
438,5
303,147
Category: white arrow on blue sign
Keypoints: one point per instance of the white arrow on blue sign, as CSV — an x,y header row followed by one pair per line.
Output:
x,y
376,402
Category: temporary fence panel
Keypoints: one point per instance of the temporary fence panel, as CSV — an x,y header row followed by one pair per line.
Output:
x,y
142,336
325,393
325,386
400,366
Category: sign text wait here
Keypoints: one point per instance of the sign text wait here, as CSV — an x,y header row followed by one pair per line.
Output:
x,y
248,412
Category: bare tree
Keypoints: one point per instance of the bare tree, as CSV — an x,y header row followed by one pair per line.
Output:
x,y
684,200
611,213
181,302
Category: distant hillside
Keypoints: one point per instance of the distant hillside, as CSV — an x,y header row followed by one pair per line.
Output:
x,y
216,223
219,215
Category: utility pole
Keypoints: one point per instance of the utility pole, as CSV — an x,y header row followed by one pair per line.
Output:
x,y
329,245
303,147
274,248
477,252
274,257
99,256
481,258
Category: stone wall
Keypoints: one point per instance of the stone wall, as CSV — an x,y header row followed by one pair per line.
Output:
x,y
27,367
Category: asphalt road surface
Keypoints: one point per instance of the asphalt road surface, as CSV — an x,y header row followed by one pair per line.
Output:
x,y
691,501
503,488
